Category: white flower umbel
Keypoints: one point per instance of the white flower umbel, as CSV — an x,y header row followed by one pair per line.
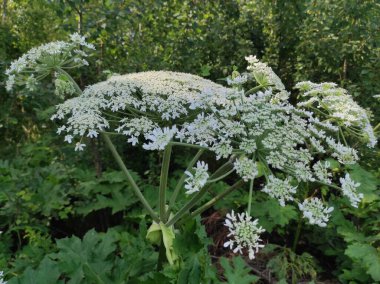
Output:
x,y
335,104
196,181
314,210
159,138
349,189
244,234
44,59
246,168
280,189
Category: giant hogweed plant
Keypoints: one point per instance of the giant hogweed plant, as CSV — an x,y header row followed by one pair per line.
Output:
x,y
254,130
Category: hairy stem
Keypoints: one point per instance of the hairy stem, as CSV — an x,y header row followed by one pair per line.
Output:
x,y
130,179
164,182
250,196
161,255
297,236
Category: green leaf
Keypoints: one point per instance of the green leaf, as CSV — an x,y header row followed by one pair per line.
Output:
x,y
368,183
237,271
47,272
367,256
272,214
86,259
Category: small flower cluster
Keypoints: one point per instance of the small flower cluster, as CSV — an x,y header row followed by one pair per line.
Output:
x,y
338,106
195,182
159,138
260,69
280,189
39,62
246,168
349,190
321,171
314,210
244,233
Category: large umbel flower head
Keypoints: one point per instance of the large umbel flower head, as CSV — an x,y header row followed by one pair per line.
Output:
x,y
250,128
244,233
156,108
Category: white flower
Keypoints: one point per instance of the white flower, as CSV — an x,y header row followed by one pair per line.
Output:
x,y
195,182
68,138
1,278
321,171
92,133
314,210
237,80
246,168
79,146
133,140
344,154
279,189
10,82
244,233
159,138
261,69
81,40
349,190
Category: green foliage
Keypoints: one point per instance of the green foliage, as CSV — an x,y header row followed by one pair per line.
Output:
x,y
288,265
237,272
272,214
112,257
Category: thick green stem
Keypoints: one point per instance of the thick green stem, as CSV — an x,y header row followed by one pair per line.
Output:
x,y
181,181
79,90
250,196
217,198
161,255
297,236
130,179
164,181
